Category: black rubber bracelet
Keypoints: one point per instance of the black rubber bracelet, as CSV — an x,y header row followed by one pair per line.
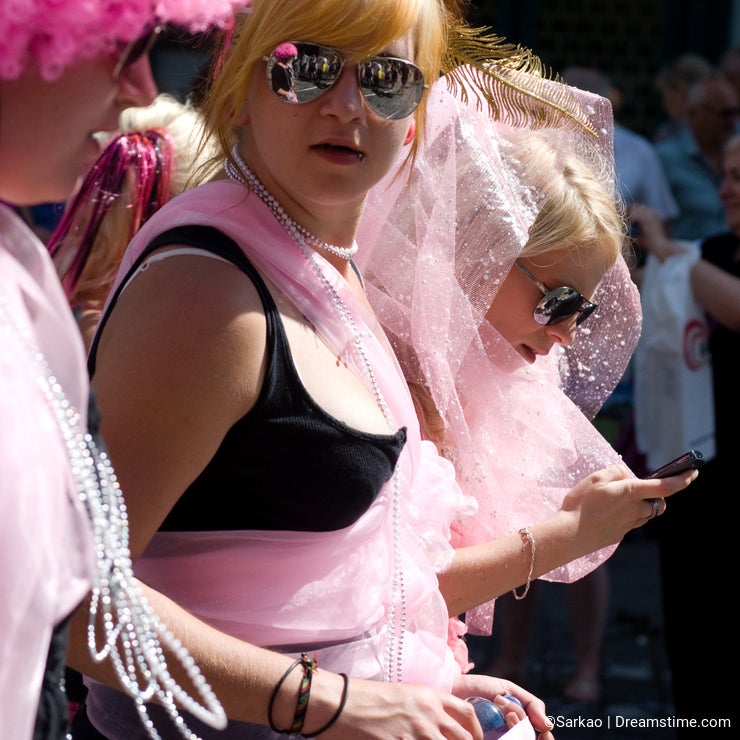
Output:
x,y
340,708
271,703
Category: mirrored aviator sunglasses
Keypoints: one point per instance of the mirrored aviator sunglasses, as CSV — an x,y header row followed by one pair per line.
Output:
x,y
136,49
299,72
559,304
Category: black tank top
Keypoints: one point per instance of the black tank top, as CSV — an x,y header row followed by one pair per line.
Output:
x,y
286,464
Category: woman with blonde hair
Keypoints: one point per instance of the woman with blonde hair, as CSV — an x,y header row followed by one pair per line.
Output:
x,y
497,272
284,511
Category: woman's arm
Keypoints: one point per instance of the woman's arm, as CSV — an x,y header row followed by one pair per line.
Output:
x,y
179,362
244,676
598,512
715,290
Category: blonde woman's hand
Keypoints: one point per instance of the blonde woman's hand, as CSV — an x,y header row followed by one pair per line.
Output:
x,y
607,504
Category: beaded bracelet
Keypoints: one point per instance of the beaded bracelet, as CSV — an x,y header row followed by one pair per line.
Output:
x,y
309,665
525,532
340,708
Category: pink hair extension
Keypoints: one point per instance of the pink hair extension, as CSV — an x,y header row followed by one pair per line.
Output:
x,y
135,166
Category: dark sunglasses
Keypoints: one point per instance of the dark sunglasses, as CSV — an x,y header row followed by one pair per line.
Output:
x,y
558,304
391,87
134,50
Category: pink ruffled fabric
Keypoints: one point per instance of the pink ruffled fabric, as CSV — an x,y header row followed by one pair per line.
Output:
x,y
46,550
58,33
312,588
436,244
296,590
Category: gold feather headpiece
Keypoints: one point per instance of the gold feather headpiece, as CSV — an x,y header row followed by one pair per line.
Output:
x,y
509,79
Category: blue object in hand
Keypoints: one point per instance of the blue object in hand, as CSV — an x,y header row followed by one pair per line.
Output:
x,y
491,718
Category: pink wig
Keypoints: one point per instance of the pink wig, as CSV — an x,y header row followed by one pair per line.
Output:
x,y
57,33
132,172
285,51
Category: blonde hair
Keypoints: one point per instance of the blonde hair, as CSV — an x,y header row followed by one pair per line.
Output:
x,y
361,28
580,207
193,152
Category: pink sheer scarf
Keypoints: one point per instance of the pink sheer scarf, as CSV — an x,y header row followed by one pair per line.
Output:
x,y
437,244
295,590
46,546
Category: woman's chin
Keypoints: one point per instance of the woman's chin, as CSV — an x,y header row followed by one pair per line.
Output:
x,y
528,354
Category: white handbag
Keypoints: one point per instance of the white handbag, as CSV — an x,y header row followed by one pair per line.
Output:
x,y
673,388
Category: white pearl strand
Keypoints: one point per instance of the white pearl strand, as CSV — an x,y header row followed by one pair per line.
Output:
x,y
128,619
396,621
247,177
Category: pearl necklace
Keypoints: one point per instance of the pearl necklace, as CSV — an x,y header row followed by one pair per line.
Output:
x,y
247,177
397,621
133,634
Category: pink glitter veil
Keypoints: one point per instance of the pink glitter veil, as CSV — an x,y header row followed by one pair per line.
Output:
x,y
519,435
57,33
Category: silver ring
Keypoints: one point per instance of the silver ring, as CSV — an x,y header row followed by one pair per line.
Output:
x,y
655,503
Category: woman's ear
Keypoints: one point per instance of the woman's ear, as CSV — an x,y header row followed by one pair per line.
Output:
x,y
410,133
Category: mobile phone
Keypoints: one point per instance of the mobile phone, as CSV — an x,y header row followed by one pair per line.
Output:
x,y
693,459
